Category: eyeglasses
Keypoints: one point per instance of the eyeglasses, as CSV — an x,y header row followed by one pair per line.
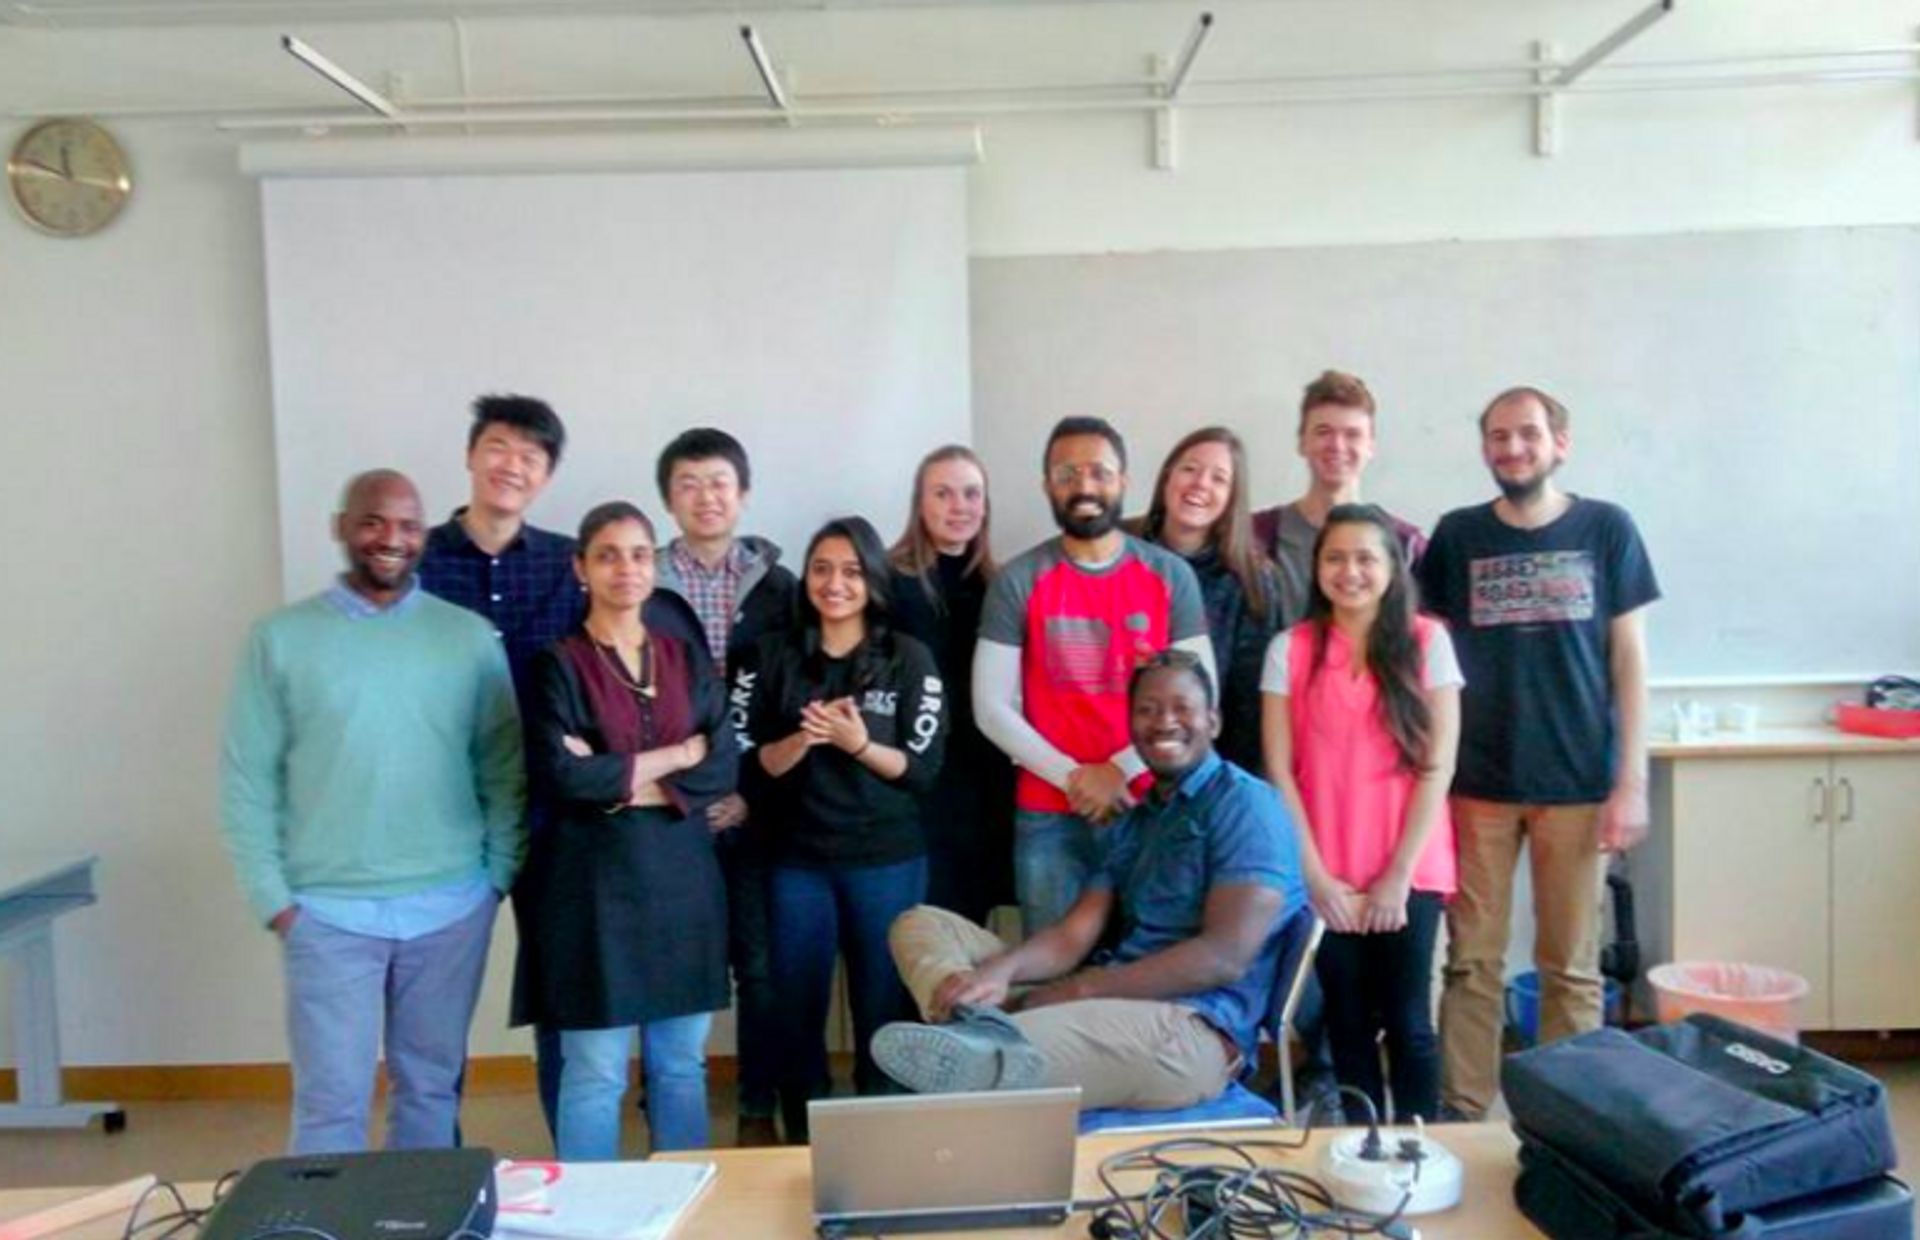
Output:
x,y
1100,473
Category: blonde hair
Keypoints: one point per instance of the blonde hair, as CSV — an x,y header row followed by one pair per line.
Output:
x,y
915,552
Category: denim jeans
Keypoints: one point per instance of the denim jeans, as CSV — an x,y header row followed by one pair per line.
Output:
x,y
815,912
346,994
546,1075
1052,856
593,1080
1383,983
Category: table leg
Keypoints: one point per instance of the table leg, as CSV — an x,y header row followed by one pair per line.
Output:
x,y
36,1043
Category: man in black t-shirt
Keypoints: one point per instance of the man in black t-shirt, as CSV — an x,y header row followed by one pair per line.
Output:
x,y
1545,594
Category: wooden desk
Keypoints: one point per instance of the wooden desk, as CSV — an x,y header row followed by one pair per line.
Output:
x,y
767,1194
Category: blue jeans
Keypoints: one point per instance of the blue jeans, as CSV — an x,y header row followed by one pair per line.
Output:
x,y
593,1080
815,912
546,1075
346,994
1052,856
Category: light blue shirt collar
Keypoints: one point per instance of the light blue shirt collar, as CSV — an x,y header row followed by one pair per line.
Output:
x,y
356,606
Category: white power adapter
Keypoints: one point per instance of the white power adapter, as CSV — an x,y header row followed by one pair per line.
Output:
x,y
1407,1164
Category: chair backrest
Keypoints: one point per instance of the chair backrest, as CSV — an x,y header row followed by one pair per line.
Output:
x,y
1299,940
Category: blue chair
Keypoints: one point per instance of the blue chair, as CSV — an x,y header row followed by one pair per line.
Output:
x,y
1299,940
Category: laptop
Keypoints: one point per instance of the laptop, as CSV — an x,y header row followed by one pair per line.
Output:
x,y
941,1162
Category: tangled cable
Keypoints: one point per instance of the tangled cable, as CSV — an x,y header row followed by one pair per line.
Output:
x,y
1231,1197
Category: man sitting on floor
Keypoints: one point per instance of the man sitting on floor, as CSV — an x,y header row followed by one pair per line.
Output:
x,y
1196,881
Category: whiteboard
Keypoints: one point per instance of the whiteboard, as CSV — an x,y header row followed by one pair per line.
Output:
x,y
1752,398
818,315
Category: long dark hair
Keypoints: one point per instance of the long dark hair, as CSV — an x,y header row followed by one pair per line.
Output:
x,y
877,642
913,552
1232,534
1393,650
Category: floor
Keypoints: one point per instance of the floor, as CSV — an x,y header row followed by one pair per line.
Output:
x,y
201,1140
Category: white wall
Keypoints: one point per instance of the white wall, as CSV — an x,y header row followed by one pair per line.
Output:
x,y
133,371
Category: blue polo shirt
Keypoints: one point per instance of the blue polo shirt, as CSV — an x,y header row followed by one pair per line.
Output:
x,y
1220,826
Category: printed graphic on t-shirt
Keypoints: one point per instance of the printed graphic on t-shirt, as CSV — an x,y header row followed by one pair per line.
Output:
x,y
1535,587
1080,656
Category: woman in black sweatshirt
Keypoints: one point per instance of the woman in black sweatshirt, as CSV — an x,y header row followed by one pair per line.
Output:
x,y
843,724
942,563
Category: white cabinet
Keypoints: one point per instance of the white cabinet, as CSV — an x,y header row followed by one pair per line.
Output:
x,y
1806,861
1875,826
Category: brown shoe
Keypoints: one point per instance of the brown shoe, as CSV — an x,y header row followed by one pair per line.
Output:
x,y
756,1130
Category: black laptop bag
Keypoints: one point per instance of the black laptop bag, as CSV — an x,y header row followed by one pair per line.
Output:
x,y
1569,1203
1695,1124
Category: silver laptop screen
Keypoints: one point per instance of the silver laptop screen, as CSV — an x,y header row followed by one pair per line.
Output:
x,y
943,1151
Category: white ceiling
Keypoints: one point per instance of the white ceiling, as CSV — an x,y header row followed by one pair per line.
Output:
x,y
98,13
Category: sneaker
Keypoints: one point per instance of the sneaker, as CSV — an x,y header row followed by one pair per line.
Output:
x,y
979,1049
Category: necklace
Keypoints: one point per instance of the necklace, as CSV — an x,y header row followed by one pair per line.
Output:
x,y
642,684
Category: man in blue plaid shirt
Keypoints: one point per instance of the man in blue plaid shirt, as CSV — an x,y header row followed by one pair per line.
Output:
x,y
518,578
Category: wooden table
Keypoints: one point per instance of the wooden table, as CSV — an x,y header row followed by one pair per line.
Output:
x,y
769,1193
766,1194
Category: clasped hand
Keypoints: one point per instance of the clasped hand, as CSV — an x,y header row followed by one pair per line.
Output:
x,y
1380,909
1097,791
837,723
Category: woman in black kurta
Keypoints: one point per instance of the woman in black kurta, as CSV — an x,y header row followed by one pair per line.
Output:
x,y
942,564
622,910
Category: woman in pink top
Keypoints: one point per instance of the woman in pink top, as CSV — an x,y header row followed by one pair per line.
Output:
x,y
1360,718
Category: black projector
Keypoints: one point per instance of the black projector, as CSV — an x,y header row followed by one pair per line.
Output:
x,y
392,1195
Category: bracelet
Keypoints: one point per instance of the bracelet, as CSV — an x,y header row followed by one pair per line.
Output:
x,y
868,744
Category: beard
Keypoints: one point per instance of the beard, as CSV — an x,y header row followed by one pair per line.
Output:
x,y
1522,493
1093,525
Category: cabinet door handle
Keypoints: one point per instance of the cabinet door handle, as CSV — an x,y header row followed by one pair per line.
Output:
x,y
1817,805
1845,786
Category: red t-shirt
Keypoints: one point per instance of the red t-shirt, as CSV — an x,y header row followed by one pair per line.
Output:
x,y
1081,631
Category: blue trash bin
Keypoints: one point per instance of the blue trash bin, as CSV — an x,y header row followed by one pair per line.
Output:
x,y
1523,1006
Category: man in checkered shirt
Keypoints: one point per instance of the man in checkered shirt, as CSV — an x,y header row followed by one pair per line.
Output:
x,y
520,579
734,588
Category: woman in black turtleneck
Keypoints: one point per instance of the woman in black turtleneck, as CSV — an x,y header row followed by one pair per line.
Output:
x,y
1199,511
941,567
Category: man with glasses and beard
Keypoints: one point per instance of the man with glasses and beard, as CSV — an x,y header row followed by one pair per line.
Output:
x,y
1545,594
1063,628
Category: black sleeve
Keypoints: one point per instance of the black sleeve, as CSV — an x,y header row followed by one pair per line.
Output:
x,y
1431,571
558,710
753,712
1630,579
923,730
715,775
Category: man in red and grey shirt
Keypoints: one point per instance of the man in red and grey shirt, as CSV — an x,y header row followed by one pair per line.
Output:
x,y
1063,628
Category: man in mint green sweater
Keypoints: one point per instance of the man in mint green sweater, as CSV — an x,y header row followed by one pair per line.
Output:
x,y
372,789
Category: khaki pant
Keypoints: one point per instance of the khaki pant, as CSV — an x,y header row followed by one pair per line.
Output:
x,y
1568,871
1120,1052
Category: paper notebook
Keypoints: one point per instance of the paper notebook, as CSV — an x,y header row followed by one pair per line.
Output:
x,y
597,1201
